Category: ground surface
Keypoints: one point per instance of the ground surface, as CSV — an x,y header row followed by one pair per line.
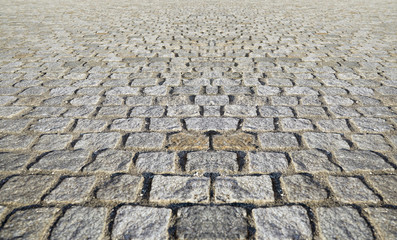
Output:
x,y
198,119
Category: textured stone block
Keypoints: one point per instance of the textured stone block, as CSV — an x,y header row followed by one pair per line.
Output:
x,y
211,123
385,220
62,160
145,140
188,142
361,160
234,142
287,222
211,222
267,162
312,161
327,141
386,185
71,189
111,161
171,189
98,141
351,189
12,161
135,222
278,140
156,162
120,188
301,188
254,189
223,162
258,124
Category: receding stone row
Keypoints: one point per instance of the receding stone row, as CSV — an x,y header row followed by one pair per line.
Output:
x,y
199,222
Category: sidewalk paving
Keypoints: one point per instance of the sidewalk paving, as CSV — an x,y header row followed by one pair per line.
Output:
x,y
198,119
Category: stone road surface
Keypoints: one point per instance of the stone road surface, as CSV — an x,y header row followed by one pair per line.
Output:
x,y
198,119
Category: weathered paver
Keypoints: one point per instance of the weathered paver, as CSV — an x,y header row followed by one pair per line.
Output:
x,y
198,120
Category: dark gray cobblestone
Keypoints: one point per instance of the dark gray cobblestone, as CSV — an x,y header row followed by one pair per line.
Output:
x,y
198,120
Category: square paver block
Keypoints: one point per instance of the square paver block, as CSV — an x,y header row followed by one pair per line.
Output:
x,y
71,189
278,140
327,141
169,189
342,223
386,185
111,161
212,162
254,189
212,123
80,223
211,222
98,141
28,224
120,188
267,162
385,220
62,160
287,222
312,161
13,161
301,188
145,140
361,160
25,189
351,189
156,162
135,222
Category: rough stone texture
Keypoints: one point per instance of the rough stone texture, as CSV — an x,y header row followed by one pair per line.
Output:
x,y
255,189
128,92
135,222
385,220
25,189
28,224
300,188
80,222
188,141
111,161
156,162
169,189
234,142
211,222
211,162
72,189
343,223
120,188
145,141
385,184
351,189
267,162
282,223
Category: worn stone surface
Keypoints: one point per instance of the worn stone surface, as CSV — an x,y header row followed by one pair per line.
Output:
x,y
135,222
211,222
211,162
120,188
178,104
80,222
385,220
285,222
169,189
28,224
342,222
301,188
255,189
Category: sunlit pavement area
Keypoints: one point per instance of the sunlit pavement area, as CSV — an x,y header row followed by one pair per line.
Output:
x,y
198,119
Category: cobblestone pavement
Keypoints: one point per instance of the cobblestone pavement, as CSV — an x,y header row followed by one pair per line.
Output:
x,y
198,119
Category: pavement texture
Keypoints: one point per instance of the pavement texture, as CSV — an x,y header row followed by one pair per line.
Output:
x,y
198,119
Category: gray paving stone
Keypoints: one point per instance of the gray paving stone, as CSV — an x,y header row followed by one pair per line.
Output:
x,y
71,189
296,124
212,162
312,161
385,220
129,124
254,189
13,161
278,140
156,162
176,189
80,112
301,188
51,125
183,110
145,140
212,100
333,125
327,141
372,125
11,111
24,189
62,160
85,100
136,222
361,160
123,188
258,124
342,222
239,110
212,111
98,141
50,142
267,90
139,101
80,222
147,111
310,112
372,142
287,222
112,112
111,161
16,142
13,125
267,162
278,111
338,100
165,124
211,222
28,224
211,123
351,189
385,184
90,125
